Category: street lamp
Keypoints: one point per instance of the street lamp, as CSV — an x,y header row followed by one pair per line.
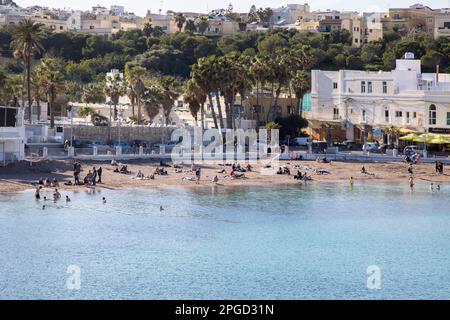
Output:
x,y
120,119
70,112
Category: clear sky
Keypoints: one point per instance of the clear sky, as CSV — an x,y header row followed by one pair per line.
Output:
x,y
140,7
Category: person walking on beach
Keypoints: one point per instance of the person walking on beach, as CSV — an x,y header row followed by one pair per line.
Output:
x,y
99,173
76,172
351,182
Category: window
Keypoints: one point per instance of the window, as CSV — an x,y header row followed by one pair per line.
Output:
x,y
407,117
363,87
290,110
432,115
414,115
335,85
384,87
369,87
396,16
356,40
398,114
386,115
335,114
448,118
364,115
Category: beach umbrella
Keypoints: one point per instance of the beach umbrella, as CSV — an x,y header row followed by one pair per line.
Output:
x,y
425,138
440,140
409,137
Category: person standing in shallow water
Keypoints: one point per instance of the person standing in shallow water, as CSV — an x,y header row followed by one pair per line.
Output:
x,y
411,182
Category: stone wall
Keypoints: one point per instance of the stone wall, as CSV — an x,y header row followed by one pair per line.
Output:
x,y
127,133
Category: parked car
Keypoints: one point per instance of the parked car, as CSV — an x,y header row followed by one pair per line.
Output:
x,y
352,145
302,141
93,143
370,147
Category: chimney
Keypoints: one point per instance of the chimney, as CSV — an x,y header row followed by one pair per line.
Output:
x,y
437,74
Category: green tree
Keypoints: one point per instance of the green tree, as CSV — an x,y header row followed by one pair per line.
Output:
x,y
27,41
179,19
52,82
190,26
202,24
114,89
94,93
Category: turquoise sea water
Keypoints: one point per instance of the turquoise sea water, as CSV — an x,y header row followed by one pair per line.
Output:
x,y
306,242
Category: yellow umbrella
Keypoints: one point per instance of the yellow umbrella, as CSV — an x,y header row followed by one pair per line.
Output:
x,y
425,138
440,140
409,137
406,130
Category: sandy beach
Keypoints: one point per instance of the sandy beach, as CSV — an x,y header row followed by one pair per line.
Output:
x,y
22,176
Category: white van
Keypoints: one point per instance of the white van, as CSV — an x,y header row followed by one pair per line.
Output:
x,y
302,141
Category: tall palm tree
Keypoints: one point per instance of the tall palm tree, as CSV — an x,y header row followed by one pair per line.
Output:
x,y
301,84
27,41
52,80
202,24
133,75
195,98
281,74
179,19
152,99
171,90
190,26
114,90
201,74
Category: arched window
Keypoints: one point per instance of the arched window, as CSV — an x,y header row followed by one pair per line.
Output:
x,y
432,115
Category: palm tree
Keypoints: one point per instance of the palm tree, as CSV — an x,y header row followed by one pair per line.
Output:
x,y
393,132
114,90
179,19
52,80
171,90
301,84
281,75
201,74
190,26
260,72
27,41
195,98
133,75
152,99
202,24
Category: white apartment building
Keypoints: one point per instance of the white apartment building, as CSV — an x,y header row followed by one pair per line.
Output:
x,y
12,135
361,102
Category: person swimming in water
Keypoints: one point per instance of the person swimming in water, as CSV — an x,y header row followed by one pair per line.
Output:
x,y
104,200
351,182
431,187
411,182
438,188
68,199
161,208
